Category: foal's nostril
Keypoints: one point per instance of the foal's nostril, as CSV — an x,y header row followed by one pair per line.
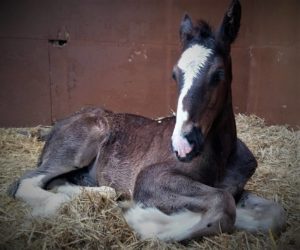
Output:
x,y
195,138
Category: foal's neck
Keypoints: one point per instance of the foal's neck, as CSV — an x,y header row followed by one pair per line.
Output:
x,y
224,128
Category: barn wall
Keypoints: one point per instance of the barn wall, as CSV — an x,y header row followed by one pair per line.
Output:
x,y
119,55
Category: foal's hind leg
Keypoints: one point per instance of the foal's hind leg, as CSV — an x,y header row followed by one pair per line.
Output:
x,y
172,206
73,144
32,188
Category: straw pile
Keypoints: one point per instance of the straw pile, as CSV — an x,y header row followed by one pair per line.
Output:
x,y
93,222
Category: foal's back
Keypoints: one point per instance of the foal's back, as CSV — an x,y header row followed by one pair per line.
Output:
x,y
132,143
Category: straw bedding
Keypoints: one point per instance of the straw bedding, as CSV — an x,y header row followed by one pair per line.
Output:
x,y
93,222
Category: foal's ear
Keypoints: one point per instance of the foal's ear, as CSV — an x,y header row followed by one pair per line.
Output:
x,y
231,23
186,29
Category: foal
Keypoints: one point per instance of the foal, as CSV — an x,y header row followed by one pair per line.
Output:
x,y
180,189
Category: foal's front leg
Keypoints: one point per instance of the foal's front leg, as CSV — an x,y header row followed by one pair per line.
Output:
x,y
172,206
253,213
256,214
240,167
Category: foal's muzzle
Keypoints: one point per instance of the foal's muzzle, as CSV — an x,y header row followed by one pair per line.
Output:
x,y
196,139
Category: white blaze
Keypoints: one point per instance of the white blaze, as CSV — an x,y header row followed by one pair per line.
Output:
x,y
190,63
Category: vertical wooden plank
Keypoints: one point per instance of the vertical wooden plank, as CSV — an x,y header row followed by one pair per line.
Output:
x,y
240,81
24,81
274,85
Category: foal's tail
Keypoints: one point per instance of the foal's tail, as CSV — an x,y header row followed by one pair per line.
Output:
x,y
150,222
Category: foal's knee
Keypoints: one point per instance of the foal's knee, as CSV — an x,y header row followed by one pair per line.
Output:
x,y
227,210
221,216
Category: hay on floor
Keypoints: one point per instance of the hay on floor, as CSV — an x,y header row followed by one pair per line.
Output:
x,y
93,222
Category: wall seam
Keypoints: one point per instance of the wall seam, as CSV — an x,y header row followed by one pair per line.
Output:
x,y
50,85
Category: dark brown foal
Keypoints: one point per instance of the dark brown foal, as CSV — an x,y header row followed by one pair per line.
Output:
x,y
183,174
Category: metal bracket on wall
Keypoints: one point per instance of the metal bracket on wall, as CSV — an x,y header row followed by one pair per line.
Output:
x,y
58,42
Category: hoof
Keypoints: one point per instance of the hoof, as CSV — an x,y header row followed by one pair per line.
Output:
x,y
256,214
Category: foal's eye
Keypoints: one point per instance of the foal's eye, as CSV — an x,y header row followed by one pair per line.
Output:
x,y
217,77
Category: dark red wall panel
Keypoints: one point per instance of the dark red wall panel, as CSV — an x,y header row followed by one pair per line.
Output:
x,y
119,77
119,54
24,83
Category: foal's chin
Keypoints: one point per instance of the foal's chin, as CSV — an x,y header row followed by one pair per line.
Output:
x,y
189,157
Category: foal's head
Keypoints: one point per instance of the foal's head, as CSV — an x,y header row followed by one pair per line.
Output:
x,y
203,74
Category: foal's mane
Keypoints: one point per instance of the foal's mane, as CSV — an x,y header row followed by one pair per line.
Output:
x,y
203,29
203,33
